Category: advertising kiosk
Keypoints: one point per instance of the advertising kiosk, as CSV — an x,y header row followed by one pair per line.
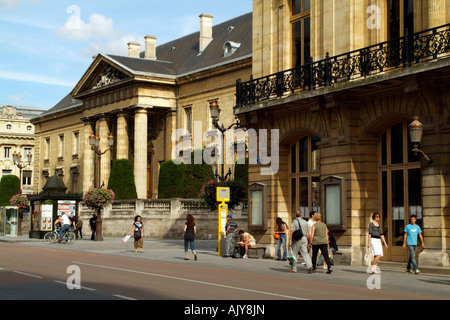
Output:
x,y
47,205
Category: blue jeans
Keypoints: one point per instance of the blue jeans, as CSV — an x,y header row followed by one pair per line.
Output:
x,y
412,258
282,241
186,244
64,228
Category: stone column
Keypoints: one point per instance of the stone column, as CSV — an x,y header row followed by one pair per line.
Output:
x,y
88,155
105,163
122,136
140,152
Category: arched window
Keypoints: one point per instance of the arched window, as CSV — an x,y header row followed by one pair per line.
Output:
x,y
304,175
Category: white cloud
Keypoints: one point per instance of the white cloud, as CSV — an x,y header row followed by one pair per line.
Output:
x,y
98,27
113,46
13,4
36,78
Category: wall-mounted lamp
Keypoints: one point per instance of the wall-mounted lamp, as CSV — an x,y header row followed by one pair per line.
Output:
x,y
416,131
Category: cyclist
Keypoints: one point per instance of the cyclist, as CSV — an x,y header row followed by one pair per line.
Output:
x,y
66,226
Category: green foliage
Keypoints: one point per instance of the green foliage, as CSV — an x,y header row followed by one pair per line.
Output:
x,y
171,179
241,173
9,186
121,180
196,175
237,193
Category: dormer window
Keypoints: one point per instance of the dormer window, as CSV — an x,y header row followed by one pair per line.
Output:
x,y
229,48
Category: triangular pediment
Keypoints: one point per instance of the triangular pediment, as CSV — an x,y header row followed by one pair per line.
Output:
x,y
101,74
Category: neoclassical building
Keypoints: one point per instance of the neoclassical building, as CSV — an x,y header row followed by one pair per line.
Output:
x,y
17,137
149,101
341,83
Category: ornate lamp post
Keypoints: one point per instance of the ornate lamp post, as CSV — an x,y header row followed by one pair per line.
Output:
x,y
415,132
215,113
17,160
94,141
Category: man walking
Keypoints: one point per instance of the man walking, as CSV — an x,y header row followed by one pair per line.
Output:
x,y
412,231
300,244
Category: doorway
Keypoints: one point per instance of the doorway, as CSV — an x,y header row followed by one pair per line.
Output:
x,y
401,188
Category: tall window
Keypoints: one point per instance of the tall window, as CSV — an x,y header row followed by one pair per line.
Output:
x,y
7,153
401,18
188,119
301,30
304,174
400,182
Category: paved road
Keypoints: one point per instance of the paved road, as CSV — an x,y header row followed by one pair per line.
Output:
x,y
111,270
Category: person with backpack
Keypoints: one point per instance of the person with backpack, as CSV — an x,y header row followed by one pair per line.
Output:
x,y
299,242
138,233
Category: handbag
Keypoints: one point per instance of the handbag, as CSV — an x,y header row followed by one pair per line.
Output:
x,y
298,234
330,256
368,257
276,236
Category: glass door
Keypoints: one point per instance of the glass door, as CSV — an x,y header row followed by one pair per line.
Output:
x,y
401,189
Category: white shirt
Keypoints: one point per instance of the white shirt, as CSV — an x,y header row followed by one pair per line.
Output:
x,y
65,219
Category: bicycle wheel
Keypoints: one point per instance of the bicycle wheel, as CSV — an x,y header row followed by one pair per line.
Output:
x,y
50,237
72,236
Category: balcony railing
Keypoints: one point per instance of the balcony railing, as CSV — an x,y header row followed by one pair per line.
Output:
x,y
399,53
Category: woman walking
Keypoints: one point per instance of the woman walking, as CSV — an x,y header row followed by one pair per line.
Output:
x,y
374,241
319,240
282,238
189,236
138,232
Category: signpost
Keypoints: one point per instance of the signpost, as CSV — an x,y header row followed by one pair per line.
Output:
x,y
222,196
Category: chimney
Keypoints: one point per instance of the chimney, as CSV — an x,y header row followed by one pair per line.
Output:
x,y
205,31
150,47
134,49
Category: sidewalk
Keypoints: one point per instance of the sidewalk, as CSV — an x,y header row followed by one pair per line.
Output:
x,y
166,250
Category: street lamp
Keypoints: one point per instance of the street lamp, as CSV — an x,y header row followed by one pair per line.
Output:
x,y
415,132
215,113
94,141
17,160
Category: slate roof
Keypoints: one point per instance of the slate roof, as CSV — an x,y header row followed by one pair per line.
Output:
x,y
181,57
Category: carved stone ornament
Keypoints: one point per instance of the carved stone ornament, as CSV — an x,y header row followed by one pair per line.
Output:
x,y
109,75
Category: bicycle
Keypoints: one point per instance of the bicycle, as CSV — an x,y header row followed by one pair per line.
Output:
x,y
53,236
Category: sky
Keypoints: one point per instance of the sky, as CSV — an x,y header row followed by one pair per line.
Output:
x,y
47,45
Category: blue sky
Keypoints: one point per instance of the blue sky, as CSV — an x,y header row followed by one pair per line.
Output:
x,y
47,45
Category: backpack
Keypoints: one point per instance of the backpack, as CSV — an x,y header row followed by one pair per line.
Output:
x,y
298,234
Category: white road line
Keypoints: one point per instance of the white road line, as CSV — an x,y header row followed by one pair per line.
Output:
x,y
81,287
123,297
28,274
193,281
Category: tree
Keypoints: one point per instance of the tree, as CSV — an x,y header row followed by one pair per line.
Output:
x,y
9,186
121,180
196,175
171,179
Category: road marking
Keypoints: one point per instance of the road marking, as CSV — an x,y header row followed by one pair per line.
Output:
x,y
28,274
190,280
123,297
81,287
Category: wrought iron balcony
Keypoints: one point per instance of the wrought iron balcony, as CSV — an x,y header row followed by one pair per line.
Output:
x,y
395,54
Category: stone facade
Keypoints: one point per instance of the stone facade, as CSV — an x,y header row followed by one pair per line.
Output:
x,y
350,130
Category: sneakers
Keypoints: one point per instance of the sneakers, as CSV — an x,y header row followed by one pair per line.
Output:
x,y
245,256
417,271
